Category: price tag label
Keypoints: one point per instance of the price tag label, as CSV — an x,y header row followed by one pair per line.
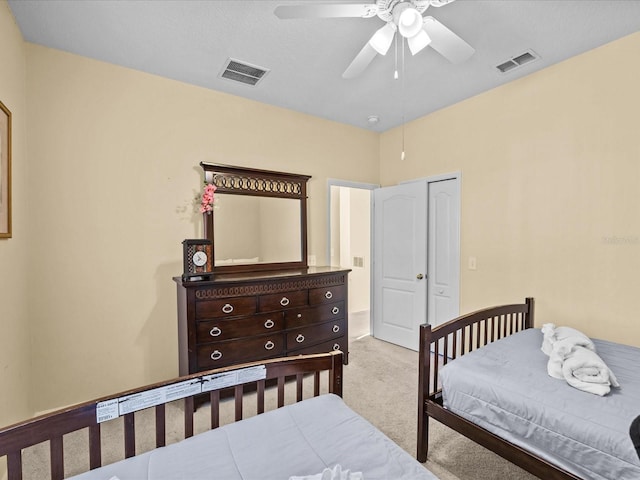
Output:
x,y
107,410
157,396
230,379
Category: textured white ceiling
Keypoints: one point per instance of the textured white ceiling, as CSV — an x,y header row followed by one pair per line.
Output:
x,y
190,41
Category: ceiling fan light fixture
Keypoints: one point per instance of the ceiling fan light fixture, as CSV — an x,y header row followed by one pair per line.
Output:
x,y
381,40
409,21
418,42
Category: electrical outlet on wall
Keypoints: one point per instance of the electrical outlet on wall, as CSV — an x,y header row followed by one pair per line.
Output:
x,y
311,260
472,263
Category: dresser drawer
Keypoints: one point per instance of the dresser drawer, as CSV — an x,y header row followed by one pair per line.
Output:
x,y
308,316
300,337
328,346
226,329
327,295
278,301
238,351
226,307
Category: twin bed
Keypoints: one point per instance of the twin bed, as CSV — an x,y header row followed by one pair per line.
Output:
x,y
308,430
484,375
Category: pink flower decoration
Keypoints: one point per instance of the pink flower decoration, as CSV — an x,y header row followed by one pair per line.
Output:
x,y
206,204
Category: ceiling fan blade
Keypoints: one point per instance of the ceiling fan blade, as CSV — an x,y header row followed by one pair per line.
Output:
x,y
447,43
418,42
361,62
327,10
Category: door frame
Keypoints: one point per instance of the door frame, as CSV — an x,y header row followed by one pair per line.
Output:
x,y
334,182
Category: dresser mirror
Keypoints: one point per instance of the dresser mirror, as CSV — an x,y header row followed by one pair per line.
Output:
x,y
259,220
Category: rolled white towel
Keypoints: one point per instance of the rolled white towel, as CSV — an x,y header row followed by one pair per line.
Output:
x,y
554,366
335,473
585,370
567,338
558,343
562,339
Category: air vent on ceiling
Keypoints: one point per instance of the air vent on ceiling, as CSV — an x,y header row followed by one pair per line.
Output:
x,y
243,72
517,61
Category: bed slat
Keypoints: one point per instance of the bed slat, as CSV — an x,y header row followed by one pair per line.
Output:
x,y
316,384
260,395
160,426
189,408
95,451
299,378
214,398
237,394
14,465
129,435
280,392
57,458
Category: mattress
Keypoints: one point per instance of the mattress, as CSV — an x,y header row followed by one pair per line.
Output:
x,y
300,439
504,387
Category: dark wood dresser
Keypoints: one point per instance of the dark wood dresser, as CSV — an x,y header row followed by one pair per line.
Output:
x,y
240,317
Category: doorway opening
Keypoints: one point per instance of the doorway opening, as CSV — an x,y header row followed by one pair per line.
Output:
x,y
349,246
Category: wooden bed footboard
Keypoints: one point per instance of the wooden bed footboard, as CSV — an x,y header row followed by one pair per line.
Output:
x,y
292,372
446,342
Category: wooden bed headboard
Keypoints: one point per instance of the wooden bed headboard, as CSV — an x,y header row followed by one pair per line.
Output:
x,y
51,427
452,339
470,332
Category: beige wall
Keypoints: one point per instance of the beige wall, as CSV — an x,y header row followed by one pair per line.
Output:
x,y
15,352
115,156
550,189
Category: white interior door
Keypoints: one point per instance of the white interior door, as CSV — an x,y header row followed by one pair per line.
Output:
x,y
443,301
400,262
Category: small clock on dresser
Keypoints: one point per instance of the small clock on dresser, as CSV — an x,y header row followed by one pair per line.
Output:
x,y
197,256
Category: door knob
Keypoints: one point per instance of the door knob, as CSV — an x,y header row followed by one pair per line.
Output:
x,y
419,276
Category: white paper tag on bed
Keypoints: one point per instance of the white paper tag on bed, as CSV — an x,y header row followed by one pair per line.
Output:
x,y
107,410
236,377
156,396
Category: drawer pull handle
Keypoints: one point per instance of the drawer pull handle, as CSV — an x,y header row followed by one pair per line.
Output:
x,y
300,338
328,294
284,302
336,328
228,308
269,345
216,355
269,324
215,332
335,310
336,346
299,315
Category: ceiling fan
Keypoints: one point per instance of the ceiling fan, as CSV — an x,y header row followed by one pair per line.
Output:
x,y
403,16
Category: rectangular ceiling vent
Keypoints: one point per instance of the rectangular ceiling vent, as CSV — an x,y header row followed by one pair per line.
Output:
x,y
515,62
243,72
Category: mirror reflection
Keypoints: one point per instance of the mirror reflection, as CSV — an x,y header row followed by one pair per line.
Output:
x,y
252,229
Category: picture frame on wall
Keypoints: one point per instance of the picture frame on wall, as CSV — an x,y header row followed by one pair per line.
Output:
x,y
5,171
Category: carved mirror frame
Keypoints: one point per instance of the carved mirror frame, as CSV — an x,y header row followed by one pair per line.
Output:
x,y
234,180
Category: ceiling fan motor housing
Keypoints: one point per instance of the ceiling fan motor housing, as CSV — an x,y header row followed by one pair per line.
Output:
x,y
386,8
408,19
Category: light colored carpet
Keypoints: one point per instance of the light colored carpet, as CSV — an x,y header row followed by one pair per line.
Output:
x,y
380,383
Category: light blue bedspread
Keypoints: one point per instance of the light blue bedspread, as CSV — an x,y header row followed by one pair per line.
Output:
x,y
504,387
300,439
